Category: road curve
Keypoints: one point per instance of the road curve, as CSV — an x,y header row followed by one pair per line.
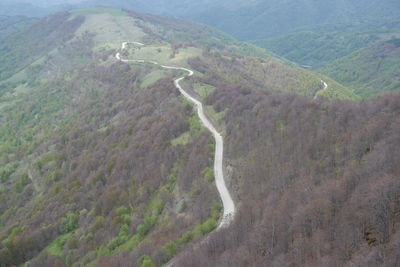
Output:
x,y
323,89
227,202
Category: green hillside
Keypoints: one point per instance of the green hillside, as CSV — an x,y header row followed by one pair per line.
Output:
x,y
317,46
265,19
308,32
372,70
104,163
102,160
90,168
9,25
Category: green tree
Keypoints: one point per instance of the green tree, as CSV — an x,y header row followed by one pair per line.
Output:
x,y
147,262
69,223
170,249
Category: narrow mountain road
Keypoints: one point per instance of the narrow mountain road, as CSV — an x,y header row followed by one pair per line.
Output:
x,y
228,204
323,89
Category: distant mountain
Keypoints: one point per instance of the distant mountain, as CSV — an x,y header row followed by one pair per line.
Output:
x,y
22,9
308,32
318,46
371,70
9,25
268,18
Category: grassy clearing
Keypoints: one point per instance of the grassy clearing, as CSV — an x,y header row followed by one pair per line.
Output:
x,y
337,91
162,54
183,139
203,90
55,247
153,77
110,31
98,10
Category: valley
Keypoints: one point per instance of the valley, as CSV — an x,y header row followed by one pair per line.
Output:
x,y
132,139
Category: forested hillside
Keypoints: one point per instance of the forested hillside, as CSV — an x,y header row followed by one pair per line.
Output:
x,y
9,25
318,181
104,163
92,164
308,32
371,70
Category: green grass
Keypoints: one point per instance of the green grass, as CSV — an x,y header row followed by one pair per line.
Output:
x,y
208,174
203,90
110,31
337,91
129,245
162,54
155,206
195,125
183,139
153,77
55,247
98,10
216,117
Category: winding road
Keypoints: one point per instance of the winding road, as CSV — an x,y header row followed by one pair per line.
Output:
x,y
227,202
323,89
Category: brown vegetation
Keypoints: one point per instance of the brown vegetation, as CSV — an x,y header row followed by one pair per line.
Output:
x,y
318,181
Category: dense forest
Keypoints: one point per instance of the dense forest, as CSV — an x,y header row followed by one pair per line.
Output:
x,y
317,181
103,163
94,164
371,70
10,25
110,174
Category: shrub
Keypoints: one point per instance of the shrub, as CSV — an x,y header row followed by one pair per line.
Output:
x,y
69,223
170,249
146,261
186,237
98,223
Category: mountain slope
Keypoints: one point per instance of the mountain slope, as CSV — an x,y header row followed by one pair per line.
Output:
x,y
311,33
102,161
318,46
265,19
25,47
318,181
371,70
90,165
9,25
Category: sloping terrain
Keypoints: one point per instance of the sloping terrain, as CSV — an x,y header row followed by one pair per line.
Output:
x,y
318,181
9,25
268,18
308,32
371,70
103,162
92,162
314,49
